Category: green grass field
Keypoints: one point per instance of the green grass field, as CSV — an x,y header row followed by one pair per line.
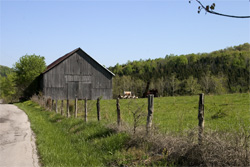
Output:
x,y
65,141
177,114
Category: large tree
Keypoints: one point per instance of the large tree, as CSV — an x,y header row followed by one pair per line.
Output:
x,y
27,69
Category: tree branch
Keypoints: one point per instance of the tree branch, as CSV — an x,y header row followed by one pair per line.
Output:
x,y
220,14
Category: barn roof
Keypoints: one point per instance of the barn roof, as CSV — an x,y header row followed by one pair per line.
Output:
x,y
59,60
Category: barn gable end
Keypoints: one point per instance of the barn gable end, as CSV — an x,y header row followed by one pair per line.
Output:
x,y
76,74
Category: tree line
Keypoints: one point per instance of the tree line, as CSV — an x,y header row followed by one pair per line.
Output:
x,y
218,72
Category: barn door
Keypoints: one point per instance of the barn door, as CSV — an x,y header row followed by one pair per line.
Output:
x,y
73,89
85,90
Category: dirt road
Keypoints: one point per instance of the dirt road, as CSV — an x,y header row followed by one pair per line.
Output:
x,y
17,144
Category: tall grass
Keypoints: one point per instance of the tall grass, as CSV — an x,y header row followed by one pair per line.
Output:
x,y
71,142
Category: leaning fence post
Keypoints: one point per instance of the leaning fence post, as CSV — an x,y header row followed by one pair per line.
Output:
x,y
98,109
68,108
62,107
85,110
150,112
118,113
201,117
76,107
56,106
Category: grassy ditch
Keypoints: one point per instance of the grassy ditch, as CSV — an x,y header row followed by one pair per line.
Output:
x,y
71,142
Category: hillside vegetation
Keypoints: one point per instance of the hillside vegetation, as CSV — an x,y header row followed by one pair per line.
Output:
x,y
222,71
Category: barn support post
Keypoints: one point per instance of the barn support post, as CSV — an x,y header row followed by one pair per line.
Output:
x,y
68,108
44,102
76,100
85,110
118,113
98,109
52,106
62,107
56,106
201,118
150,112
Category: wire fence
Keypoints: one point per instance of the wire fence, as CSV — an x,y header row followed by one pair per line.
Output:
x,y
170,113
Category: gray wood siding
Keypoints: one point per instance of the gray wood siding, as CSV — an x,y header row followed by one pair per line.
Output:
x,y
78,75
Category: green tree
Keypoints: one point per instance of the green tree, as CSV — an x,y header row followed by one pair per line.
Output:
x,y
117,69
27,69
160,85
128,69
192,86
7,88
206,83
174,84
218,84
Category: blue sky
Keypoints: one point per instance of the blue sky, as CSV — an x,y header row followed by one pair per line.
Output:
x,y
117,31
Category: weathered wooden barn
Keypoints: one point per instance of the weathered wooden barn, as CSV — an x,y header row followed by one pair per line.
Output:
x,y
76,74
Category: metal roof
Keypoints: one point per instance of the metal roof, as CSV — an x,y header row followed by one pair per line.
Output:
x,y
59,60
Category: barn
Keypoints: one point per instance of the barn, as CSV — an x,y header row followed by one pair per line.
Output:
x,y
76,74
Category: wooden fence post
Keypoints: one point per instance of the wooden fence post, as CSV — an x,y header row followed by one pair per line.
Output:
x,y
52,105
118,113
76,107
68,108
46,103
43,103
201,117
85,110
98,109
56,106
150,112
62,107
